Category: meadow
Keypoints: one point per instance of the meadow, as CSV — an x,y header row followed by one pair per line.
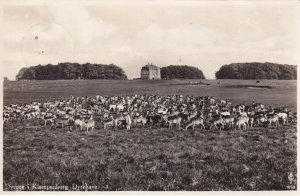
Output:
x,y
281,93
150,159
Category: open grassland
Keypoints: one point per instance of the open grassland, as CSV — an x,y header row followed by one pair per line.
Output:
x,y
282,93
150,158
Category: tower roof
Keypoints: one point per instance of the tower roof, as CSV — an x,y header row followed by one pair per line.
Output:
x,y
150,66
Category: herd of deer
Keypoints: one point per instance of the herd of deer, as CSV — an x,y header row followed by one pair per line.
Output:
x,y
148,111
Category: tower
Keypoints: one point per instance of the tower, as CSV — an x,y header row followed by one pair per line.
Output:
x,y
150,72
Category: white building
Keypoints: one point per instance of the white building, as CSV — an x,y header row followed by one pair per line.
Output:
x,y
150,72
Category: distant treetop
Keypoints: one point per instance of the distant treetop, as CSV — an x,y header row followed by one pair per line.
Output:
x,y
67,71
249,71
181,72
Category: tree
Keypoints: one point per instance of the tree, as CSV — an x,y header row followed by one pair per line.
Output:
x,y
72,71
29,74
181,72
257,71
5,79
19,76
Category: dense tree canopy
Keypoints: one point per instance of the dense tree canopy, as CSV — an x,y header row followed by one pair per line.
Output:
x,y
5,79
72,71
181,72
257,71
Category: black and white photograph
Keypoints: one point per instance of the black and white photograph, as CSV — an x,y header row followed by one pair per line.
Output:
x,y
150,95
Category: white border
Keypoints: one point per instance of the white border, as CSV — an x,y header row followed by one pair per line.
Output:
x,y
148,3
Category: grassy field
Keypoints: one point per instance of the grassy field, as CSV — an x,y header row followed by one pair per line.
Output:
x,y
282,93
149,159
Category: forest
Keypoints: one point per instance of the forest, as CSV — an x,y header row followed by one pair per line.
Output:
x,y
67,71
181,72
249,71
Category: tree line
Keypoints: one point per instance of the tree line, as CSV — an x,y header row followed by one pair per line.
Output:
x,y
102,71
69,71
181,72
248,71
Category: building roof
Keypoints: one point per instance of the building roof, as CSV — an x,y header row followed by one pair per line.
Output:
x,y
150,66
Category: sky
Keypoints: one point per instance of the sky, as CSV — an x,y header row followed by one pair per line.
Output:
x,y
206,35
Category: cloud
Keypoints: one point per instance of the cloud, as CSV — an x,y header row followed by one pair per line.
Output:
x,y
131,36
181,35
129,50
80,24
48,32
275,43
